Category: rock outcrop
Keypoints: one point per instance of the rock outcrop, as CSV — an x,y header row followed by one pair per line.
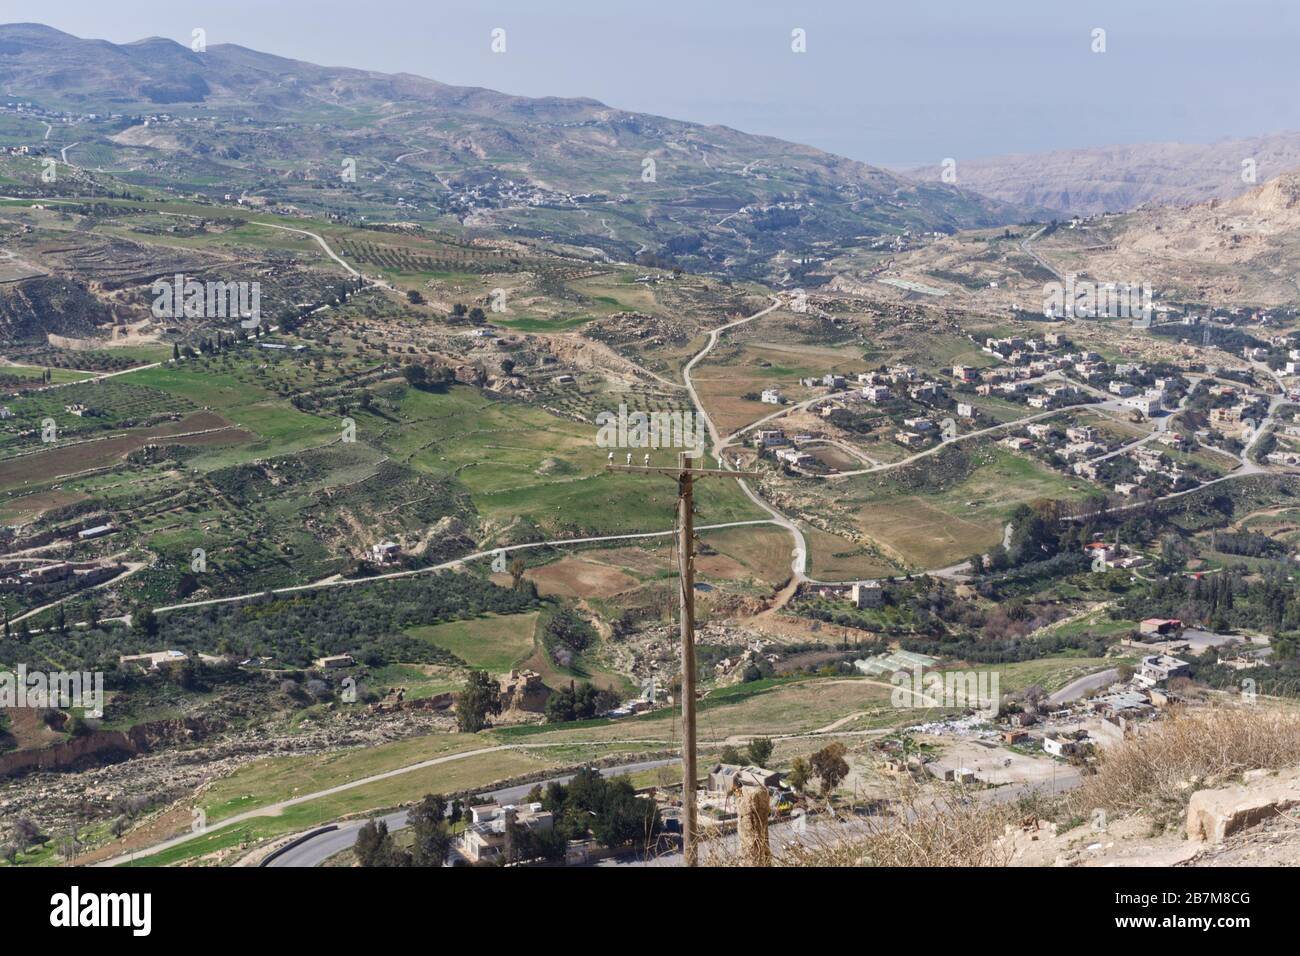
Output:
x,y
1215,815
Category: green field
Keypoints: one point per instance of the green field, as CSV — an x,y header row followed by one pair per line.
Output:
x,y
519,462
493,643
938,524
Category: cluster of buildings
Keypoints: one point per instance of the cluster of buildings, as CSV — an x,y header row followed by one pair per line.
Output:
x,y
1018,350
1233,421
74,575
896,380
916,432
862,594
784,449
1113,557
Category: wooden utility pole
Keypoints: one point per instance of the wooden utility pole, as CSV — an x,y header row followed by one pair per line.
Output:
x,y
686,474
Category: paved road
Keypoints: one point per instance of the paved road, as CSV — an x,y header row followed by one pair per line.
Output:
x,y
275,809
1083,686
447,565
317,850
1024,247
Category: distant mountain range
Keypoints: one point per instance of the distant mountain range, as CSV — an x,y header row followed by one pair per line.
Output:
x,y
1121,178
233,120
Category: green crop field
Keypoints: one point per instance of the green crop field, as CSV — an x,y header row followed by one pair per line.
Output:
x,y
495,643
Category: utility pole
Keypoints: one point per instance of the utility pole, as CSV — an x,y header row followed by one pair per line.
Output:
x,y
686,475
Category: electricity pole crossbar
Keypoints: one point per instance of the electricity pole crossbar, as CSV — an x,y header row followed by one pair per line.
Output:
x,y
686,474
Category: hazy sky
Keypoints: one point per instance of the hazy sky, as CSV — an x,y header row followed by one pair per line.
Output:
x,y
911,81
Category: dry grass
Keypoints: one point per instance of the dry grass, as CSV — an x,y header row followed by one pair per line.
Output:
x,y
1156,772
953,829
1153,773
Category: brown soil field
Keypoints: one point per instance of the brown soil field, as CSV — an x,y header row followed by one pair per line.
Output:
x,y
923,534
720,392
83,456
719,566
27,507
823,563
579,578
648,559
834,457
28,730
762,549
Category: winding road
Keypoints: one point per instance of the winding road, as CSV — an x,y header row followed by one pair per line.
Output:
x,y
320,848
799,554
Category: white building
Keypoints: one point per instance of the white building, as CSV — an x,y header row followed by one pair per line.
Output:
x,y
876,393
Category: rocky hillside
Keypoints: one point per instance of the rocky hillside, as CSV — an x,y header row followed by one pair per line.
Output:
x,y
32,309
1244,250
1122,178
1251,823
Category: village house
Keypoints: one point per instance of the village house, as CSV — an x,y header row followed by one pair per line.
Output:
x,y
1166,627
1148,404
876,393
1160,667
492,827
335,660
385,551
1062,745
794,457
1081,449
726,777
867,594
151,660
1228,416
